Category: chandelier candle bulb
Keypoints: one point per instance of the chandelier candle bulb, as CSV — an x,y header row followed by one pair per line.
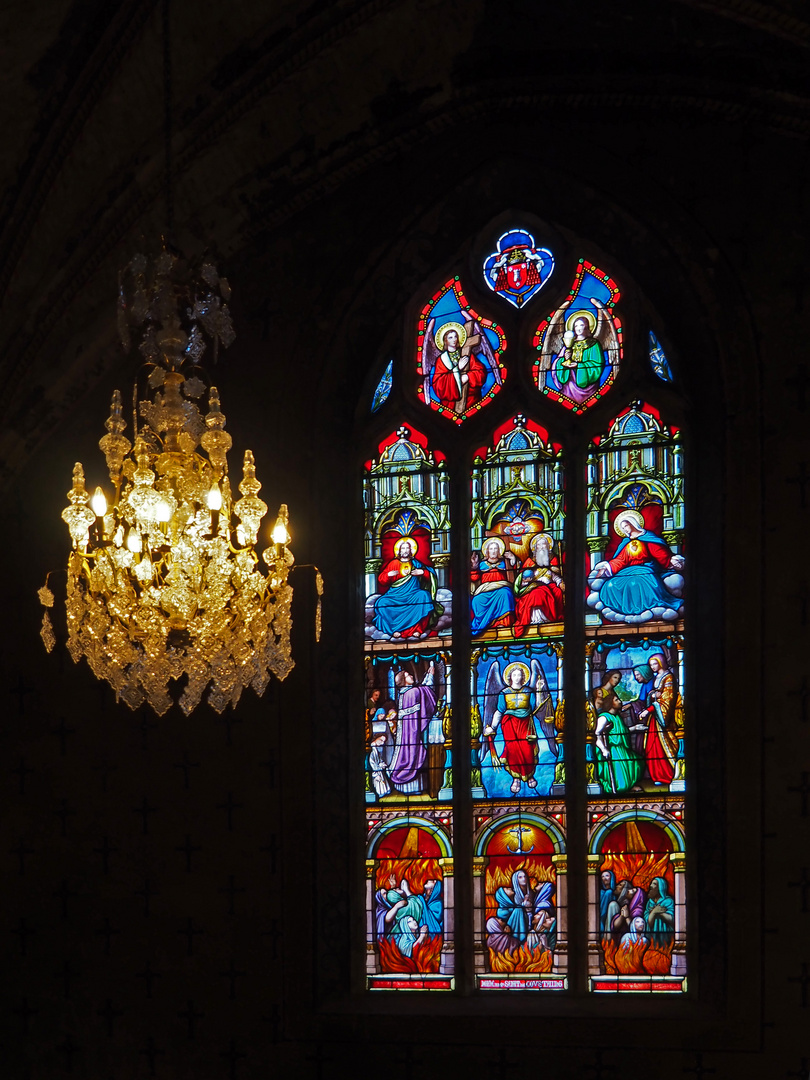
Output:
x,y
99,503
167,599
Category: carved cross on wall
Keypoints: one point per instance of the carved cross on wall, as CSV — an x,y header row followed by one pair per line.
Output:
x,y
599,1070
232,1055
803,1072
109,1014
319,1060
699,1069
506,1068
191,1017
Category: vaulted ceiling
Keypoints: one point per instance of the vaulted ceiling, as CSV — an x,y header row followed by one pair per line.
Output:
x,y
275,106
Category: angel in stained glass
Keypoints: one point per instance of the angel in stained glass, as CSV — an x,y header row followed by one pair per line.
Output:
x,y
458,363
513,711
578,347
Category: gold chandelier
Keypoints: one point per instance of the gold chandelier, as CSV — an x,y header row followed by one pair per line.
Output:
x,y
167,596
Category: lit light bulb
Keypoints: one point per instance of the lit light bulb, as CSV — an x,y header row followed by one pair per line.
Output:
x,y
134,542
99,503
214,498
280,534
163,512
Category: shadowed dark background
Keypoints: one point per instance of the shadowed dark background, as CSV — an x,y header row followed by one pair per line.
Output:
x,y
181,894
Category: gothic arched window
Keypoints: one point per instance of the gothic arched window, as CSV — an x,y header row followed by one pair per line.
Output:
x,y
524,635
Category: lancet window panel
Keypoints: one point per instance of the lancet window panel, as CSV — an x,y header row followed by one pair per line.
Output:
x,y
408,703
636,678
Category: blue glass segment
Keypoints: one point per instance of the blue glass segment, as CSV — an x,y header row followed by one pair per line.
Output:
x,y
660,364
383,386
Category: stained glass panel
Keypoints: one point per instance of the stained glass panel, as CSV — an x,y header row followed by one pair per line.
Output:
x,y
658,360
635,677
638,941
518,784
580,344
407,540
408,767
458,355
383,386
409,902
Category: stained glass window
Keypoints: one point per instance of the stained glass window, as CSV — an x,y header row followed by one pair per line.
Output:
x,y
658,360
509,616
383,386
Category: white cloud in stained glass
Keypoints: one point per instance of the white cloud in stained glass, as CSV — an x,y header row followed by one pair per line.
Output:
x,y
660,364
383,386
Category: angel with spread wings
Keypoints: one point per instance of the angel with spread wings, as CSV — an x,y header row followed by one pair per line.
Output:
x,y
456,363
576,349
515,709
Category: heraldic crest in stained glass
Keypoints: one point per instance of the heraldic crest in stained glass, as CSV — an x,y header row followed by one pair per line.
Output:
x,y
580,344
517,270
457,355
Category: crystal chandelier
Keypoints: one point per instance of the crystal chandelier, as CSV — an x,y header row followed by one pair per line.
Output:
x,y
167,595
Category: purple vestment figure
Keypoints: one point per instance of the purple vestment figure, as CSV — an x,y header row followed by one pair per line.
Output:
x,y
415,709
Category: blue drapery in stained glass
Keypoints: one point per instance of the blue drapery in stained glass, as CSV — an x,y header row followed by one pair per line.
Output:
x,y
660,364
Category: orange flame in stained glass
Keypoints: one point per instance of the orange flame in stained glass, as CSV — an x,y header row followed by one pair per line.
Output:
x,y
415,871
523,960
424,959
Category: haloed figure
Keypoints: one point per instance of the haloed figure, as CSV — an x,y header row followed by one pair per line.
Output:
x,y
458,376
493,602
514,715
407,606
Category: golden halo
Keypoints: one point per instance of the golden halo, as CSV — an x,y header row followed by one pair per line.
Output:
x,y
411,540
443,330
583,313
628,515
537,537
511,667
493,540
